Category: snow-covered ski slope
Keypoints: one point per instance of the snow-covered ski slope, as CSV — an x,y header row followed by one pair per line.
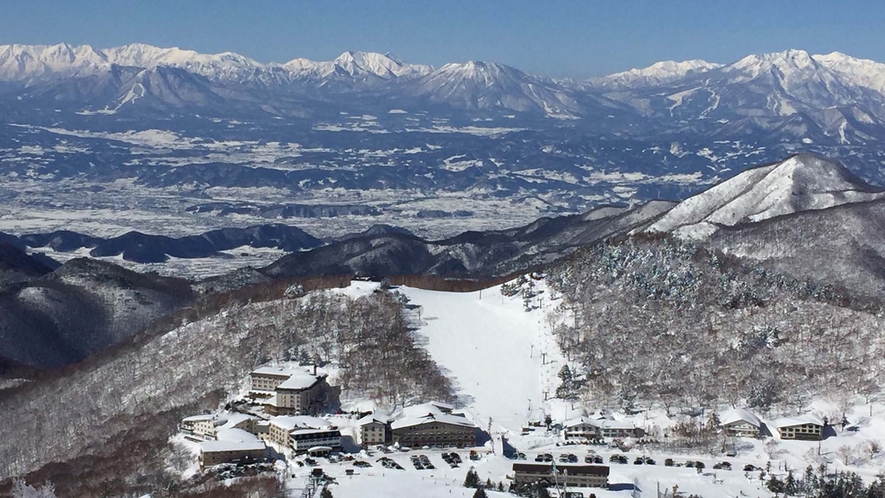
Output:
x,y
493,350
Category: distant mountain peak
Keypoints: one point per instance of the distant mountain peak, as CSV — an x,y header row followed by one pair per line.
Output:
x,y
658,73
803,182
489,85
784,61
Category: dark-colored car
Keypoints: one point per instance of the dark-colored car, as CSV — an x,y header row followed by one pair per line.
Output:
x,y
669,462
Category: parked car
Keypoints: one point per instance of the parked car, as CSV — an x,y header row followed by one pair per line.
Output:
x,y
649,461
360,463
638,461
750,468
722,466
563,458
669,462
572,458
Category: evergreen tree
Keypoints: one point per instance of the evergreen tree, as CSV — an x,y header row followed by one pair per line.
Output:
x,y
790,485
877,488
472,479
774,484
480,493
326,493
566,388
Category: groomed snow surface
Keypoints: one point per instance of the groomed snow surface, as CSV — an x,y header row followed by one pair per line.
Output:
x,y
493,351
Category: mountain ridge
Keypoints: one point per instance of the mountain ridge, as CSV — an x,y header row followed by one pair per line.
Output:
x,y
802,182
799,82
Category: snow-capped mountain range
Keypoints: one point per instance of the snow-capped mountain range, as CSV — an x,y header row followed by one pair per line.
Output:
x,y
171,120
30,62
833,94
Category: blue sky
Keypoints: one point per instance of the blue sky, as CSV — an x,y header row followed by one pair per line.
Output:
x,y
552,37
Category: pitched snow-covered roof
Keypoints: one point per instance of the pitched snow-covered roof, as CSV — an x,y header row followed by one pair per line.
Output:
x,y
739,415
275,371
198,418
312,431
602,423
616,424
368,419
429,412
799,420
292,422
579,421
214,446
233,419
235,435
300,380
442,418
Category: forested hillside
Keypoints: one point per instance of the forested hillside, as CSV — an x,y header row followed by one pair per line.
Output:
x,y
657,321
103,427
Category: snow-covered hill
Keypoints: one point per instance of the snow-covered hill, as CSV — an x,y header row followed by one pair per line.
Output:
x,y
801,183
